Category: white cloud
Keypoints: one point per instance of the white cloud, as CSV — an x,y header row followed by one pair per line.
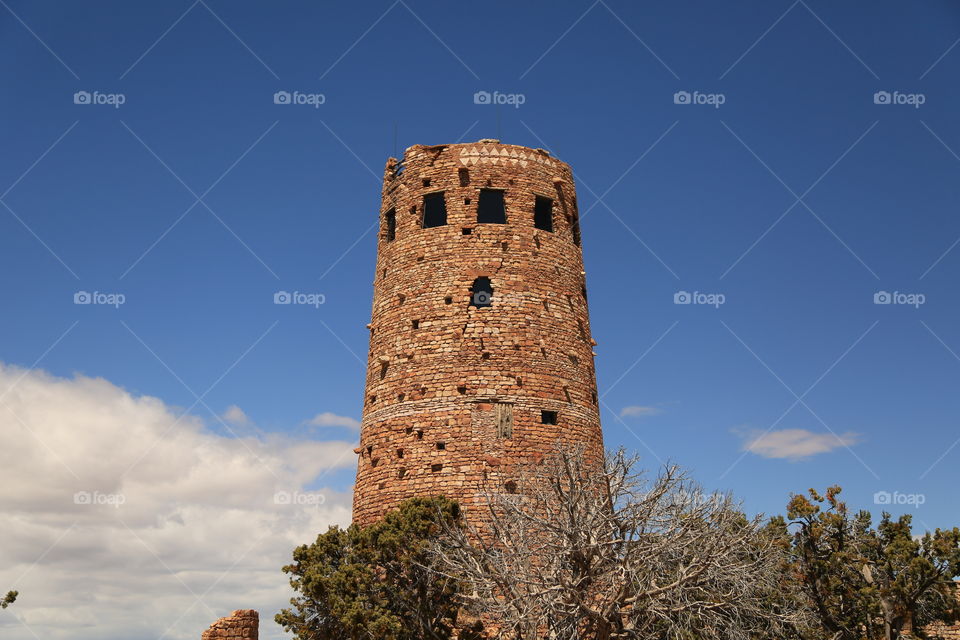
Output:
x,y
235,415
794,444
635,411
333,420
199,512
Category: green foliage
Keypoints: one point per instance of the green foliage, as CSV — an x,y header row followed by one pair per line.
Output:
x,y
8,599
866,581
375,581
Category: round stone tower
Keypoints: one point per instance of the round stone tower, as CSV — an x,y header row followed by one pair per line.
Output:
x,y
480,348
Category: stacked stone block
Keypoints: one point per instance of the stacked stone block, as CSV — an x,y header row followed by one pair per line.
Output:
x,y
243,624
456,394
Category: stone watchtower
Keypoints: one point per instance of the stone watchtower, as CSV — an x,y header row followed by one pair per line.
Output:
x,y
480,349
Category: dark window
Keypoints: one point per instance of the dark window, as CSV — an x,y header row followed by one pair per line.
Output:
x,y
548,417
391,220
464,176
426,182
481,293
490,207
575,224
543,214
434,210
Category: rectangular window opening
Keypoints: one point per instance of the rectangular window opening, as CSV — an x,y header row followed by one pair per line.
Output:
x,y
464,176
543,213
491,208
434,210
504,418
391,220
548,417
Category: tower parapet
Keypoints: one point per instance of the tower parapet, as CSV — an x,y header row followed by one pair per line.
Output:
x,y
480,355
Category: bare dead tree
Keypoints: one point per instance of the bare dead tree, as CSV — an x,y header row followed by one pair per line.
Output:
x,y
576,553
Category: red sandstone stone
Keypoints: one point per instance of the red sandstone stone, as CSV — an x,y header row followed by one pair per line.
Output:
x,y
473,378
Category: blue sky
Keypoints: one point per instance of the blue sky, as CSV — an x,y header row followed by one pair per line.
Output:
x,y
798,198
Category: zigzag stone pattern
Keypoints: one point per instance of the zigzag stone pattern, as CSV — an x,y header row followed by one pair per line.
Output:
x,y
458,393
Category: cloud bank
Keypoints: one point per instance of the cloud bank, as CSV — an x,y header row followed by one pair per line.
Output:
x,y
121,517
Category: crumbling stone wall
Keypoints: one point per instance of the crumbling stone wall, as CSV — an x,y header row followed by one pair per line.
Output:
x,y
455,393
241,624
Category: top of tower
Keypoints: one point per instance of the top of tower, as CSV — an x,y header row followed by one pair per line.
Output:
x,y
472,152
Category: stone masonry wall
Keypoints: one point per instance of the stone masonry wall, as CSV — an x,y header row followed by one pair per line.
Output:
x,y
241,624
454,392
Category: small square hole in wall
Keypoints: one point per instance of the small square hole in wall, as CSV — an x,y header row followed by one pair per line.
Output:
x,y
399,453
401,473
461,389
426,182
374,462
510,486
441,446
415,324
467,231
548,417
436,467
408,430
419,434
448,300
466,201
